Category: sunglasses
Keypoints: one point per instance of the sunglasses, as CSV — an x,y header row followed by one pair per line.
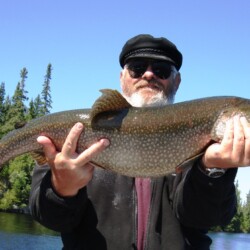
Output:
x,y
161,69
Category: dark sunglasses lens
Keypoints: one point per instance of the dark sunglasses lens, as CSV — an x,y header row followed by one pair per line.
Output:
x,y
137,68
162,69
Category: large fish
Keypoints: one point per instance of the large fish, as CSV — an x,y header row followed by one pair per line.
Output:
x,y
146,142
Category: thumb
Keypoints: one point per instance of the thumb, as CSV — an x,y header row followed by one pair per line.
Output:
x,y
48,147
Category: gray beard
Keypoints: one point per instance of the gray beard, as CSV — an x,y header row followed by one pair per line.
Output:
x,y
158,100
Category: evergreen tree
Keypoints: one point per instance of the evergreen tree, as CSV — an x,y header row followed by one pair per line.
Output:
x,y
18,106
31,112
39,108
236,224
15,177
246,211
2,105
46,97
3,108
19,181
16,113
24,75
35,108
7,106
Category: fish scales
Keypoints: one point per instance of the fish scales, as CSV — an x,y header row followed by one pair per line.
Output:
x,y
145,142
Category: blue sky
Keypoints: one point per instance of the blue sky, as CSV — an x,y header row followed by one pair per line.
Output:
x,y
82,40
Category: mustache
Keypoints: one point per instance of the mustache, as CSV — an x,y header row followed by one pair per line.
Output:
x,y
154,82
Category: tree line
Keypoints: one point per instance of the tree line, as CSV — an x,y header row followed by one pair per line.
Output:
x,y
15,176
241,221
15,111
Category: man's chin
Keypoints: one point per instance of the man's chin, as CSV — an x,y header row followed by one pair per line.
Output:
x,y
147,98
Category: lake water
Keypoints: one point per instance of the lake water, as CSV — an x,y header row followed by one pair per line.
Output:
x,y
229,241
18,231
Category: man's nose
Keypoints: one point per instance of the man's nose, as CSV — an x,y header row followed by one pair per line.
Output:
x,y
148,74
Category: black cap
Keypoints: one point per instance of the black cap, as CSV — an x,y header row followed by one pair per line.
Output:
x,y
150,47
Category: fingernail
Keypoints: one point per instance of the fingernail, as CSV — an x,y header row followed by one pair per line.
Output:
x,y
105,142
230,121
79,125
243,118
38,139
237,117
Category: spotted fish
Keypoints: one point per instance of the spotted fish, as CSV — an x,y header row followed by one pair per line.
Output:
x,y
145,142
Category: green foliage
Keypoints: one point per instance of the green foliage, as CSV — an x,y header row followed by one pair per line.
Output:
x,y
16,111
46,97
16,180
15,176
36,108
246,213
236,223
2,105
240,223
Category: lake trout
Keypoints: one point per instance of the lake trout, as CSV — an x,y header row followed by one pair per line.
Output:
x,y
144,142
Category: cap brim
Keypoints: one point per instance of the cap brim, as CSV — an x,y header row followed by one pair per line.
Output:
x,y
150,56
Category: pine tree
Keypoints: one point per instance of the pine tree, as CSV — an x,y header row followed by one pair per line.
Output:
x,y
7,106
15,177
15,108
31,111
35,108
24,75
38,105
46,97
246,211
2,106
237,222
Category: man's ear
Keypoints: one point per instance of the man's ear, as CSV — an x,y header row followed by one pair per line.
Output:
x,y
177,81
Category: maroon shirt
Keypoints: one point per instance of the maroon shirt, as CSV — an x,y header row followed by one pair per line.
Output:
x,y
143,203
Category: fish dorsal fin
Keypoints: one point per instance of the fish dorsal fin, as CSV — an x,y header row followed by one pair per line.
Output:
x,y
110,100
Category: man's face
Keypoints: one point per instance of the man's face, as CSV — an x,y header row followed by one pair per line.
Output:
x,y
149,83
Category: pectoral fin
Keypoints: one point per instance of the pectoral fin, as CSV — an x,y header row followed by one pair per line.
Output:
x,y
39,157
187,162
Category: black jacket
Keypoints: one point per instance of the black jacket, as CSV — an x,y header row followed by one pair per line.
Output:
x,y
104,214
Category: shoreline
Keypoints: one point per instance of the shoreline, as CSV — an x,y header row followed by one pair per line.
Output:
x,y
24,210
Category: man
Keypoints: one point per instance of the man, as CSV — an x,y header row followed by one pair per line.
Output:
x,y
97,209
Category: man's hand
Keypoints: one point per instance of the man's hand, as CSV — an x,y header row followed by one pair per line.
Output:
x,y
71,171
234,149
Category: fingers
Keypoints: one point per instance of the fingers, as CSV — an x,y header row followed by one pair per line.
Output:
x,y
238,151
234,149
246,128
92,151
69,146
233,142
237,142
70,170
48,147
227,141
